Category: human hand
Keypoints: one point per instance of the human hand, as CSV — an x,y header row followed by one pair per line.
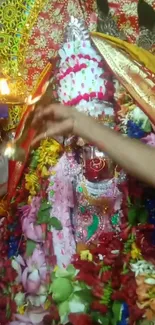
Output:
x,y
54,120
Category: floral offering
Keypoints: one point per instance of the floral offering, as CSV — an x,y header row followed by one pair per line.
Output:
x,y
77,241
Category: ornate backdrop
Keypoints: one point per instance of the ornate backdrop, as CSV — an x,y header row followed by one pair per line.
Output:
x,y
31,32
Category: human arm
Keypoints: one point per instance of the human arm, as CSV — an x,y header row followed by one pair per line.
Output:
x,y
135,157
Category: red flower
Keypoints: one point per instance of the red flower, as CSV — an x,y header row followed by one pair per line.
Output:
x,y
118,295
97,291
13,307
125,278
54,312
144,242
125,231
10,274
109,261
80,319
85,266
106,276
135,313
126,258
97,306
88,271
88,278
3,318
3,302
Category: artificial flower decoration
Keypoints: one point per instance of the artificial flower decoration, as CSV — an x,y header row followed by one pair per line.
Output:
x,y
35,271
77,240
68,293
135,252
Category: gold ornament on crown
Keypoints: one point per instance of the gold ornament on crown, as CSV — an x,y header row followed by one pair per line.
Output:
x,y
17,19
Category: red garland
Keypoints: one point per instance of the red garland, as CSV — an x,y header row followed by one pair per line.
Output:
x,y
7,277
75,69
100,96
80,319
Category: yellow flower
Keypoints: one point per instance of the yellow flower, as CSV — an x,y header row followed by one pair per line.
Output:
x,y
30,199
86,255
47,304
21,309
32,184
44,172
48,153
135,252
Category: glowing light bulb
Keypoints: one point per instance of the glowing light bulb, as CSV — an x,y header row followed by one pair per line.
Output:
x,y
4,88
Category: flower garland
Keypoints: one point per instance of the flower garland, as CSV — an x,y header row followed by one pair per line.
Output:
x,y
28,242
111,281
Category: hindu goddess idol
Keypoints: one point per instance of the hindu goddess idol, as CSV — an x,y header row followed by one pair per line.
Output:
x,y
87,180
84,189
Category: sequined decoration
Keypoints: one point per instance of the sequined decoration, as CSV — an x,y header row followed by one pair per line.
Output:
x,y
115,219
48,33
15,113
16,21
125,16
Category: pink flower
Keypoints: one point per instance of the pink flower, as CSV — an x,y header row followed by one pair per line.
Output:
x,y
28,220
30,211
31,317
150,139
35,272
18,263
32,231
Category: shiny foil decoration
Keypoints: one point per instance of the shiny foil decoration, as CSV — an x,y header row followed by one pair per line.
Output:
x,y
76,31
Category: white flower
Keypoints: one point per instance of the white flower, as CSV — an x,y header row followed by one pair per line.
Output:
x,y
100,257
37,301
142,267
16,264
150,281
20,299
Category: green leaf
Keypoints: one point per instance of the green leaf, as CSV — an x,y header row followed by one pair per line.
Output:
x,y
13,200
30,246
55,223
147,126
132,214
116,309
34,162
62,273
52,193
71,270
64,308
44,206
42,213
99,318
85,295
43,217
